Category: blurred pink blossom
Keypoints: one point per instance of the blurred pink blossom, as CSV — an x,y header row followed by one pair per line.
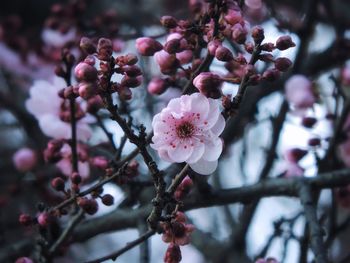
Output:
x,y
65,164
188,130
24,159
57,39
45,104
299,93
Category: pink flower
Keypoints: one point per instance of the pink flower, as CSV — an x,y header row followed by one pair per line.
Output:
x,y
24,159
45,104
188,130
65,164
299,93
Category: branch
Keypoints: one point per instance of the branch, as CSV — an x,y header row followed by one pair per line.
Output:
x,y
315,229
128,246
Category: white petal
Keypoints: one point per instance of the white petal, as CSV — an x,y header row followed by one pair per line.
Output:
x,y
204,167
181,152
213,150
197,153
54,127
219,126
200,104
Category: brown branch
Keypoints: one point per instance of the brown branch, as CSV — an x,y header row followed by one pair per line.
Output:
x,y
128,246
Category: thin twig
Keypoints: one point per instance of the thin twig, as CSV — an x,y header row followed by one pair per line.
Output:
x,y
72,224
128,246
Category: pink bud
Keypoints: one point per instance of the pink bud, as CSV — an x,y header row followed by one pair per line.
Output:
x,y
87,45
124,93
86,90
24,159
100,162
223,54
172,46
213,45
258,34
271,75
104,49
84,71
131,82
172,254
185,56
167,62
284,42
25,220
283,64
208,84
57,184
147,46
233,16
168,22
239,33
44,219
90,206
157,86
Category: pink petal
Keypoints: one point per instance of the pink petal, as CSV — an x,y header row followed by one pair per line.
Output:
x,y
181,152
213,150
197,153
219,126
204,167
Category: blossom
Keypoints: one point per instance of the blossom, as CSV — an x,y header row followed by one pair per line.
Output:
x,y
299,93
65,164
24,159
45,104
57,39
188,130
147,46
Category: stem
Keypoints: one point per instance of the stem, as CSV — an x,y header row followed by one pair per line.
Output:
x,y
128,246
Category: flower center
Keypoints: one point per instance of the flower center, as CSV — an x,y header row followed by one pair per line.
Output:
x,y
185,130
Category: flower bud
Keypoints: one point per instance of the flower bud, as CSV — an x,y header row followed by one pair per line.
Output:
x,y
87,46
168,22
233,16
168,63
132,71
104,49
57,184
90,60
86,72
271,75
239,34
124,93
258,34
131,82
223,54
130,59
25,159
284,42
185,56
249,47
308,122
213,45
86,90
313,142
208,84
269,47
173,46
75,178
44,219
283,64
90,206
172,254
107,200
25,220
147,46
157,86
100,162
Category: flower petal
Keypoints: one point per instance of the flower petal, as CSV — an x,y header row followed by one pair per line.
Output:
x,y
181,152
204,167
213,150
197,153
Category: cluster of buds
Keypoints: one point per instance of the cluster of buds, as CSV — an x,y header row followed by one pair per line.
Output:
x,y
184,188
131,171
176,232
96,82
43,219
